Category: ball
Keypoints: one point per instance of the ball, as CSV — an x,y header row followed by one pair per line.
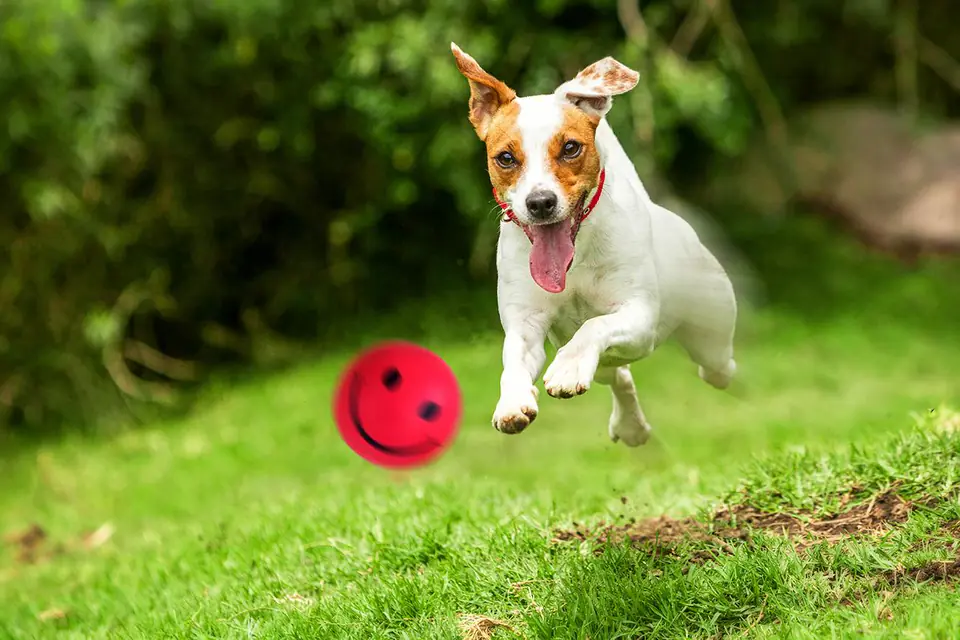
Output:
x,y
398,405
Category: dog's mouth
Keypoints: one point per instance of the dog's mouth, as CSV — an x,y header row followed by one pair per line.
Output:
x,y
553,249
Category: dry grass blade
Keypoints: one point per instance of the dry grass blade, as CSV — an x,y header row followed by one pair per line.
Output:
x,y
476,627
51,614
98,537
295,600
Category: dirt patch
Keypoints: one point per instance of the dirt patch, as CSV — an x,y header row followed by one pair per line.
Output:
x,y
33,544
868,518
952,528
661,534
736,523
937,571
27,544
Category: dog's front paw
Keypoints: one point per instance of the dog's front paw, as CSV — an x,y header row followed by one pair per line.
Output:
x,y
570,373
514,413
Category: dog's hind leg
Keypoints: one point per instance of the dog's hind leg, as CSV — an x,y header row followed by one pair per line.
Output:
x,y
708,323
712,349
627,422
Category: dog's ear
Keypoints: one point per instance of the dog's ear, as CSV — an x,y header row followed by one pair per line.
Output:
x,y
594,87
487,94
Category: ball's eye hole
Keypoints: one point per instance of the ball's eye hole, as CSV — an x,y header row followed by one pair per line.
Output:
x,y
506,160
429,411
391,378
572,149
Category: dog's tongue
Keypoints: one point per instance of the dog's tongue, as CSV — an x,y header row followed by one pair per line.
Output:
x,y
551,255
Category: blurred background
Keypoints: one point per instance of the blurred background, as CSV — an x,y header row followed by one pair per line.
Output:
x,y
212,189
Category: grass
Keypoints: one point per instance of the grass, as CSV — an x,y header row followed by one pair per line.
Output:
x,y
251,519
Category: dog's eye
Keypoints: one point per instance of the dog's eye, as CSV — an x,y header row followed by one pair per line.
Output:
x,y
506,160
391,378
572,149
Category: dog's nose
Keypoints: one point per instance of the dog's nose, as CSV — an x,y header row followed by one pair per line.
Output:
x,y
541,204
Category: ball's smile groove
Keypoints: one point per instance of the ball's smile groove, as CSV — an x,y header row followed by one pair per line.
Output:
x,y
409,450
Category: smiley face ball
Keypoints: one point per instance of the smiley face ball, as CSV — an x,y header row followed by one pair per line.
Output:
x,y
398,405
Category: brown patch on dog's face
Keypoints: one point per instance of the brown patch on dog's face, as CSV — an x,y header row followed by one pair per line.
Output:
x,y
572,154
503,141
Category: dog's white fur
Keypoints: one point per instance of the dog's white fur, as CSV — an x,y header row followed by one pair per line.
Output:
x,y
640,274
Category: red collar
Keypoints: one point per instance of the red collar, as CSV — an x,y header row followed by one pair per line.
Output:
x,y
510,215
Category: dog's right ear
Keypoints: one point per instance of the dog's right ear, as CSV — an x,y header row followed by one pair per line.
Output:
x,y
487,94
593,89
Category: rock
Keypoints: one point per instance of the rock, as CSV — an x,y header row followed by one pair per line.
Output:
x,y
896,187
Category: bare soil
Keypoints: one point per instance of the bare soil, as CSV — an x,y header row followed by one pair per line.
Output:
x,y
728,524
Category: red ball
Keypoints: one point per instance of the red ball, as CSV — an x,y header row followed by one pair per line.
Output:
x,y
398,405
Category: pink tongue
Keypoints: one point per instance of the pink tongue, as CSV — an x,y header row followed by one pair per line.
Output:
x,y
551,255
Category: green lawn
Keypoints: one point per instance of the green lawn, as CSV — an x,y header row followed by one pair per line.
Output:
x,y
250,519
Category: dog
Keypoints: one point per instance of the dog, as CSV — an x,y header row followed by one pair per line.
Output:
x,y
585,258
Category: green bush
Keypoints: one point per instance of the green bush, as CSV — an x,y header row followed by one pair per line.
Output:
x,y
180,178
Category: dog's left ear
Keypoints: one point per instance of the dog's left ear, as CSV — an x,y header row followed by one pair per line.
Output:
x,y
487,94
593,89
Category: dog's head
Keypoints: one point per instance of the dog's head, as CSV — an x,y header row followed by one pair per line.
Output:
x,y
541,153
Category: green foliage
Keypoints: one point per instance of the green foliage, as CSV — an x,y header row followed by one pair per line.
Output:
x,y
194,175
